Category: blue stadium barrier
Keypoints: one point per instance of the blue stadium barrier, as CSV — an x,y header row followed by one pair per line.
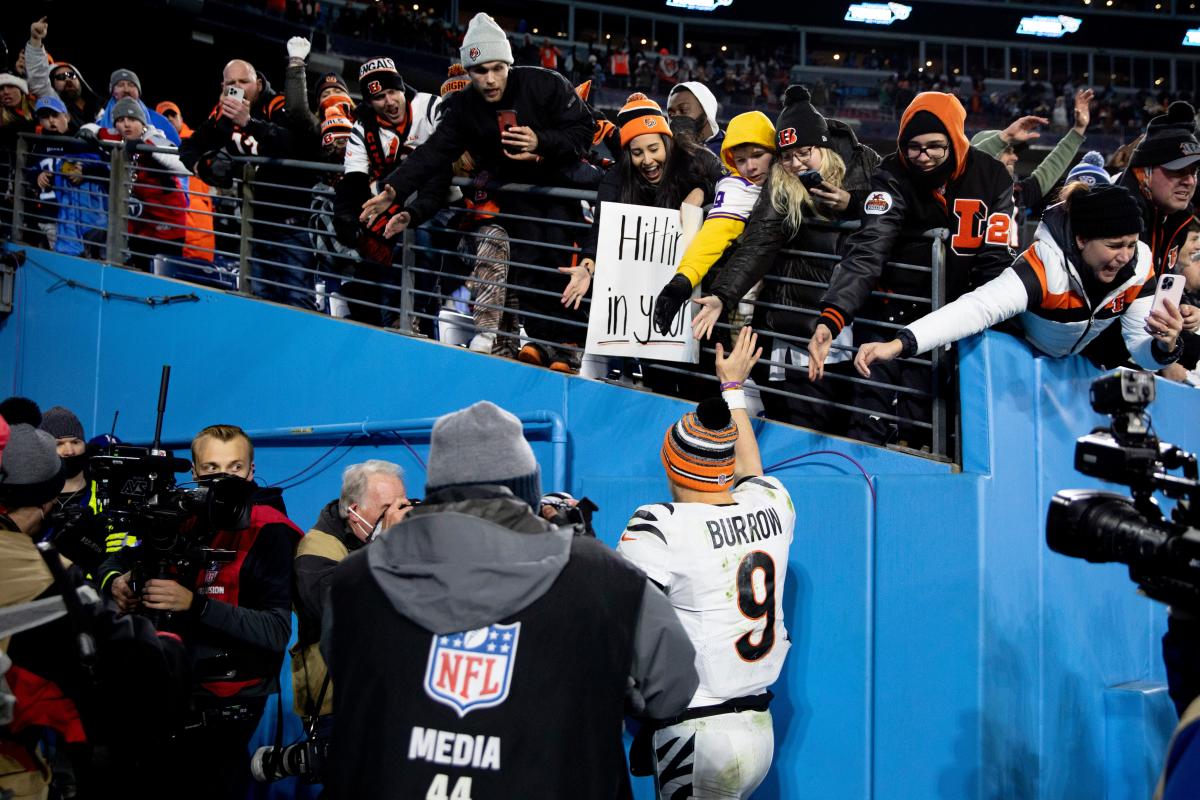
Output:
x,y
940,650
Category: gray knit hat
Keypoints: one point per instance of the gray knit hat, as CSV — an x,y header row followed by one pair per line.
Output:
x,y
61,422
485,41
124,75
32,473
128,107
483,444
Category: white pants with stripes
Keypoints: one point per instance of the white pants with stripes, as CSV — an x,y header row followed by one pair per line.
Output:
x,y
722,756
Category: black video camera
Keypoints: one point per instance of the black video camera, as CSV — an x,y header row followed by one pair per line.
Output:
x,y
138,498
1162,554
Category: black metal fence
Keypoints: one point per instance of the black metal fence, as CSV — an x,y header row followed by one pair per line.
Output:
x,y
447,279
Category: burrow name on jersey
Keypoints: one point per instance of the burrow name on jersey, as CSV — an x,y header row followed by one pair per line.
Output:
x,y
744,528
454,749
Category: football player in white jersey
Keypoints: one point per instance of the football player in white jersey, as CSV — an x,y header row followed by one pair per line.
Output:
x,y
719,551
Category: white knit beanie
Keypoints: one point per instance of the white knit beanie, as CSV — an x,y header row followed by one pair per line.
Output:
x,y
485,41
8,79
708,101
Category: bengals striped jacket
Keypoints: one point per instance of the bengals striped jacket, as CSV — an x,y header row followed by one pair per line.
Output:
x,y
1044,287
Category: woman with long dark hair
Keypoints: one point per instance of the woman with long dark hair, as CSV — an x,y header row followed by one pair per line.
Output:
x,y
657,168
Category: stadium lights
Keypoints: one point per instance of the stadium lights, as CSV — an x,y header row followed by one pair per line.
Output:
x,y
877,13
1049,27
1192,38
698,5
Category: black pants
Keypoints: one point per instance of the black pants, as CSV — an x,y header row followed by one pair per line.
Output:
x,y
372,292
876,398
539,291
800,410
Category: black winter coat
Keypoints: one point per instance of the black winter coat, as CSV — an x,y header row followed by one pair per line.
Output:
x,y
756,254
977,209
542,100
267,134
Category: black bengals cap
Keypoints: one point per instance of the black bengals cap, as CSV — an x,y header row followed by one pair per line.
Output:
x,y
1170,140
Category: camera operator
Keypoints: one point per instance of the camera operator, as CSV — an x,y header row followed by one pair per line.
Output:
x,y
67,692
234,617
373,499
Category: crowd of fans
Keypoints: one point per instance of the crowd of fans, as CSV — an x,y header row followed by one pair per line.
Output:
x,y
514,270
835,303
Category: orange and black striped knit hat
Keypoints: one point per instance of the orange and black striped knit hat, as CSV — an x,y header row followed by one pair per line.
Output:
x,y
456,79
641,115
697,451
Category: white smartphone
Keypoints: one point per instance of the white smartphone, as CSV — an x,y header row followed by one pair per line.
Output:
x,y
1170,287
235,91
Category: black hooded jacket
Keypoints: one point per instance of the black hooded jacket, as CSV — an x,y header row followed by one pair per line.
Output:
x,y
756,254
975,204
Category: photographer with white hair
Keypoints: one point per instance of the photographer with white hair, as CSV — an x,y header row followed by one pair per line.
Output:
x,y
373,498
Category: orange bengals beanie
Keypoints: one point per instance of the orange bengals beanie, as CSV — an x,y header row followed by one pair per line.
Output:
x,y
641,115
698,452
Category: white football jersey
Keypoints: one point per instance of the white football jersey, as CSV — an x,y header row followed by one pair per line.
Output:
x,y
723,568
734,198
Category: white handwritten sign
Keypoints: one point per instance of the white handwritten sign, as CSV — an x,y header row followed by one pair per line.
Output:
x,y
638,249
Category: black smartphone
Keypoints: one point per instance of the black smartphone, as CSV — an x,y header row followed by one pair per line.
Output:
x,y
811,179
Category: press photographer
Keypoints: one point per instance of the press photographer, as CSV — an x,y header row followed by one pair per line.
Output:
x,y
372,500
80,677
1161,551
231,607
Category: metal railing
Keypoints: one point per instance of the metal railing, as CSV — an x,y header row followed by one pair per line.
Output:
x,y
450,277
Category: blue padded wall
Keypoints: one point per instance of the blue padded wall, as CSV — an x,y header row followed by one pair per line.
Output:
x,y
939,649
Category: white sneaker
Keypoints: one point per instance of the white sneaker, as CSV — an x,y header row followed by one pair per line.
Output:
x,y
482,342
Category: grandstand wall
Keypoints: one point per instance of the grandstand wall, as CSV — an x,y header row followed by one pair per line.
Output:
x,y
939,649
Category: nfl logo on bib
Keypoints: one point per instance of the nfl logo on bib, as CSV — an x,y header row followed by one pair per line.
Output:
x,y
474,669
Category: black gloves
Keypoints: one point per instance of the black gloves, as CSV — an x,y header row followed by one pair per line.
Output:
x,y
669,301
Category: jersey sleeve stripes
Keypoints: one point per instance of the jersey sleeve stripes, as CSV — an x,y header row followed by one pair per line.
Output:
x,y
735,198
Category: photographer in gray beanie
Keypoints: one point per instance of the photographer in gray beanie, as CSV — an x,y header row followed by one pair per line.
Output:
x,y
31,477
557,636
